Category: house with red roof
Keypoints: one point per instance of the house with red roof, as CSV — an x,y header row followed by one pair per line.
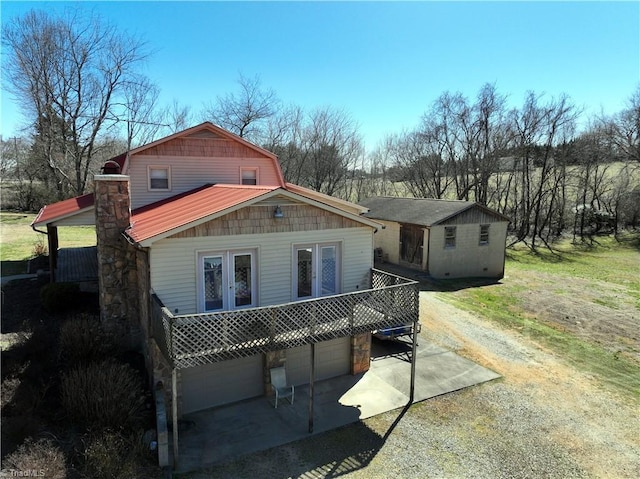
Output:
x,y
219,270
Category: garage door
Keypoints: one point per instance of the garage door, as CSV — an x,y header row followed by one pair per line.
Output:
x,y
221,383
333,358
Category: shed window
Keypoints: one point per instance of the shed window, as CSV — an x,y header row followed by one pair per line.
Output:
x,y
249,176
159,178
484,234
449,236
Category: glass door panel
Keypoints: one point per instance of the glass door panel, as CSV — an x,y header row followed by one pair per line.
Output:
x,y
242,280
304,278
213,283
328,270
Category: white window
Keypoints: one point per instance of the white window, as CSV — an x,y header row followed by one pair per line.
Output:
x,y
484,234
449,236
159,178
227,280
316,270
249,176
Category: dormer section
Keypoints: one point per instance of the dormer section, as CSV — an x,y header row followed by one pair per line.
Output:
x,y
205,154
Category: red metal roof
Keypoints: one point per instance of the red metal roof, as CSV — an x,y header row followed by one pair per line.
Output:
x,y
62,209
181,210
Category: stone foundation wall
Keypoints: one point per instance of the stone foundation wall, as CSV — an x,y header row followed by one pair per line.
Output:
x,y
360,353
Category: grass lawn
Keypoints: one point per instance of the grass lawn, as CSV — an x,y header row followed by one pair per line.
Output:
x,y
550,278
19,242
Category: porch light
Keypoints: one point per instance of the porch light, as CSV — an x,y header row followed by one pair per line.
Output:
x,y
277,214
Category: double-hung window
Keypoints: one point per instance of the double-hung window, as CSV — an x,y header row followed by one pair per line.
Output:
x,y
249,176
159,178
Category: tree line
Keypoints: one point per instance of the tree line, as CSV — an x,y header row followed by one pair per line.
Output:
x,y
78,81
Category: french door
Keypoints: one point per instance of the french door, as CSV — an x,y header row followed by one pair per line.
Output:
x,y
227,280
316,270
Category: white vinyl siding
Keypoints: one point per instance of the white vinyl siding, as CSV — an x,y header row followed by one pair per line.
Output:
x,y
174,262
188,173
85,218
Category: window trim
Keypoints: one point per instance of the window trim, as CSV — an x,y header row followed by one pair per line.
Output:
x,y
316,256
227,256
484,242
450,240
254,169
158,167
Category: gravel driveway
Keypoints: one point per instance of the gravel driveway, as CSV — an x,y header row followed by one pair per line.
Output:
x,y
543,420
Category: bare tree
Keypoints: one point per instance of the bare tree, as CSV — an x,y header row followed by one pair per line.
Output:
x,y
625,128
68,73
245,112
333,146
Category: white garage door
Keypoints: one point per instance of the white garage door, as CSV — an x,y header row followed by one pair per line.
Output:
x,y
333,358
221,383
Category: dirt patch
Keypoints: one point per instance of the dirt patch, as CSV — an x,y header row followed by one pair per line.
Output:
x,y
596,311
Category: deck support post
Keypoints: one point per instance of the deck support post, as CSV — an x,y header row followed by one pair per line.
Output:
x,y
312,379
413,363
414,346
174,412
52,240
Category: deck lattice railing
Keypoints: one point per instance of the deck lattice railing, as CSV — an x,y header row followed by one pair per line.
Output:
x,y
196,339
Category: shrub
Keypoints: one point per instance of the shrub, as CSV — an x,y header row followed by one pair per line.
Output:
x,y
39,248
58,297
110,455
36,459
83,340
102,395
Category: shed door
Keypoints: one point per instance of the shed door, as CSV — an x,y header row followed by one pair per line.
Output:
x,y
411,239
220,383
333,358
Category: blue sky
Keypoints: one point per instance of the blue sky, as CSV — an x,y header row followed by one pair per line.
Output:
x,y
384,62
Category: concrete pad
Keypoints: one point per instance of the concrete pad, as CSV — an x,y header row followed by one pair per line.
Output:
x,y
227,432
372,396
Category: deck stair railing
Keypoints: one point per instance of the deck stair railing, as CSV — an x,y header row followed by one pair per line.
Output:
x,y
195,339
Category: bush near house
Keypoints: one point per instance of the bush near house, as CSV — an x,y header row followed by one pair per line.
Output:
x,y
103,395
41,458
47,352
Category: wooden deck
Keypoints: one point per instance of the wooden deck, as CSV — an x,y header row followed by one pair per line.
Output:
x,y
77,265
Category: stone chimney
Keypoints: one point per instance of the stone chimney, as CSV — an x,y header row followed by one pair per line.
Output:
x,y
117,275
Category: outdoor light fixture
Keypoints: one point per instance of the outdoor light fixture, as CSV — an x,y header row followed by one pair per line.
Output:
x,y
278,213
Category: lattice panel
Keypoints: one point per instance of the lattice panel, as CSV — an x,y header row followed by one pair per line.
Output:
x,y
206,338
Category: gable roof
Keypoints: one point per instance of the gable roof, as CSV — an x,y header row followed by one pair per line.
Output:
x,y
420,211
218,131
167,217
63,209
